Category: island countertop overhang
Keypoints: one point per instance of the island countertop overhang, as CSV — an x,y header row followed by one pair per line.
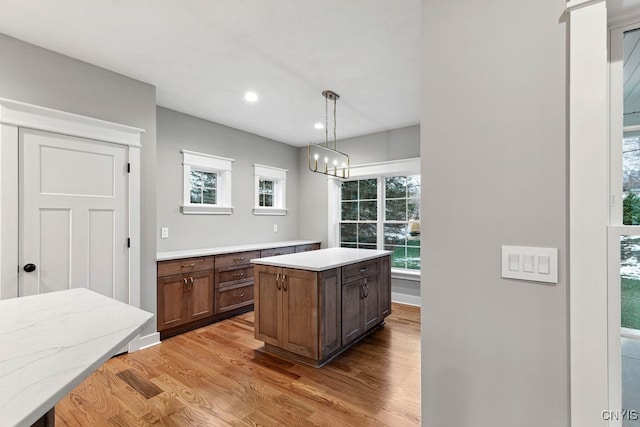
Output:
x,y
322,259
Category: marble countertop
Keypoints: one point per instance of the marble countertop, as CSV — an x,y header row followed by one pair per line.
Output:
x,y
51,342
320,260
188,253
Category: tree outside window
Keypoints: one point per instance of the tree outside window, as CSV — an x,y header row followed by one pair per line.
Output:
x,y
389,218
265,192
402,220
203,187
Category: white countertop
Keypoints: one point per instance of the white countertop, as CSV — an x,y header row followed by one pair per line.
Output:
x,y
188,253
49,343
320,260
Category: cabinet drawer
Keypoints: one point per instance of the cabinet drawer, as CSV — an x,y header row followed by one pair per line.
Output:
x,y
233,275
307,248
182,266
236,259
231,297
361,269
277,251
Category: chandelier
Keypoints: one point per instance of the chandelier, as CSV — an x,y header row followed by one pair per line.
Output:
x,y
322,158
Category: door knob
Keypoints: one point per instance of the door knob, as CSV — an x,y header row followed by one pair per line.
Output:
x,y
29,267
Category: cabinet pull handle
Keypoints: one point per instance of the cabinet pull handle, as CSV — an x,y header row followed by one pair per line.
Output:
x,y
239,259
362,270
361,292
189,265
278,253
284,282
238,274
278,281
240,295
184,287
366,289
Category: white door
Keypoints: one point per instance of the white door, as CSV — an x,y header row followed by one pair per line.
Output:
x,y
73,215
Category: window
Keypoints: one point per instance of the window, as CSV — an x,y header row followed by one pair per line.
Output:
x,y
402,220
207,184
265,193
359,217
382,212
203,187
270,190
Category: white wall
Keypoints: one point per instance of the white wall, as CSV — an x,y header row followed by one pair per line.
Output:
x,y
38,76
494,172
177,131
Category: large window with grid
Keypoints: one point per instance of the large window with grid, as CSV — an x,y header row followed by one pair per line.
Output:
x,y
383,213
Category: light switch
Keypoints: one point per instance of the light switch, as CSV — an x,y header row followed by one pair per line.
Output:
x,y
543,264
527,263
514,262
530,263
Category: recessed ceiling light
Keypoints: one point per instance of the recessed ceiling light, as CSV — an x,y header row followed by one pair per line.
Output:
x,y
318,126
250,97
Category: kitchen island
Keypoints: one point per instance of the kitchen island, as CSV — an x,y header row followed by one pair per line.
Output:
x,y
312,306
51,342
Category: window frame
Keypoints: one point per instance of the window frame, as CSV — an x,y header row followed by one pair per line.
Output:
x,y
222,167
279,178
372,170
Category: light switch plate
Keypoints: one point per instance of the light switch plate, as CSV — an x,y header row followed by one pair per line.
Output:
x,y
164,232
535,264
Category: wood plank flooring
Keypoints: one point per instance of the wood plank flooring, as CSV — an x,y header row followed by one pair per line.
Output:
x,y
217,376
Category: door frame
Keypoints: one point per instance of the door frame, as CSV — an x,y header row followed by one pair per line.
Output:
x,y
588,210
15,115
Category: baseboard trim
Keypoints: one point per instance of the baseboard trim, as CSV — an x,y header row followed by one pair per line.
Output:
x,y
140,343
406,299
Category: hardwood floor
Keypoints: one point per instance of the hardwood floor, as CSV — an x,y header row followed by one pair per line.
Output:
x,y
217,375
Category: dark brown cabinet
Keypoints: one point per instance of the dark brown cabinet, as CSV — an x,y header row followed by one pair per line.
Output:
x,y
234,281
361,295
288,305
195,291
288,320
311,316
186,296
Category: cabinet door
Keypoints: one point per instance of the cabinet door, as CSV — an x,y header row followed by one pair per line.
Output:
x,y
200,294
352,293
172,301
268,304
384,296
370,306
300,312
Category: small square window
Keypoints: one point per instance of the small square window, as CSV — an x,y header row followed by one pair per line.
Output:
x,y
207,184
270,190
203,187
265,193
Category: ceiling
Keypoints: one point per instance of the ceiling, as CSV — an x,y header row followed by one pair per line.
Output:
x,y
203,55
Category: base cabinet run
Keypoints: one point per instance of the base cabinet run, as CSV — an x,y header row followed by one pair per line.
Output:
x,y
193,292
312,316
